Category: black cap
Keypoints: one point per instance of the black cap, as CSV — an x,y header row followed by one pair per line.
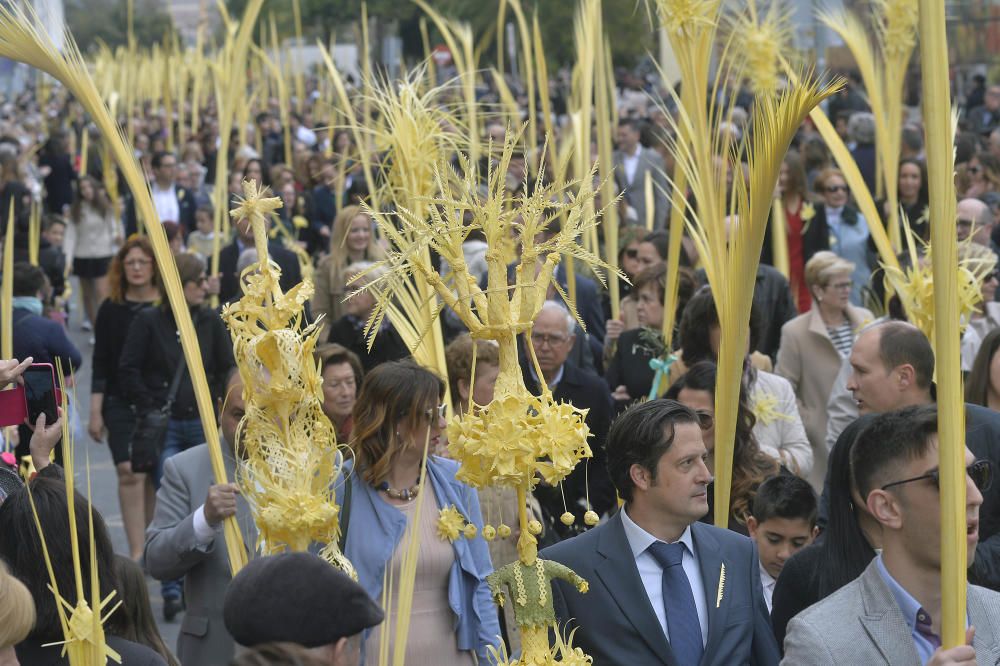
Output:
x,y
296,598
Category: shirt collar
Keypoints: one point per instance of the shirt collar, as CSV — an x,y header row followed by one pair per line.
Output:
x,y
639,540
907,604
555,381
765,577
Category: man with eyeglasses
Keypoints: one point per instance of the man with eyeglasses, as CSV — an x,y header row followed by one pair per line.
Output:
x,y
892,612
892,368
552,338
974,218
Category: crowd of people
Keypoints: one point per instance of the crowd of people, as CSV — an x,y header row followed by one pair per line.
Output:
x,y
833,513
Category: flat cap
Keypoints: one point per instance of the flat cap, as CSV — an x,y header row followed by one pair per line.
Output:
x,y
296,598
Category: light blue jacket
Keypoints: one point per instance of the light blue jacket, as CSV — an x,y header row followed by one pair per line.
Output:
x,y
376,529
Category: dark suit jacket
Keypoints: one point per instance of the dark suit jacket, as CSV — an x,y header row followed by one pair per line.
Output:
x,y
583,390
617,623
629,367
132,654
588,301
43,339
229,285
187,204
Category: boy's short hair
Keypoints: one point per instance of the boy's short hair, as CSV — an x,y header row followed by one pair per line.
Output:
x,y
205,208
785,496
50,220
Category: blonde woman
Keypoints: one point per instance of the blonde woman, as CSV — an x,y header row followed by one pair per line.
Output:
x,y
352,241
815,344
17,615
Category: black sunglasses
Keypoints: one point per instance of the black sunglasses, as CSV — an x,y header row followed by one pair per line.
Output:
x,y
836,188
981,473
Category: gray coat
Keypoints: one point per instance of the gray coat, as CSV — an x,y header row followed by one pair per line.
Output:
x,y
861,624
635,192
172,552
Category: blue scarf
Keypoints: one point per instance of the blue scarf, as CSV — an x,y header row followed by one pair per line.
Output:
x,y
29,303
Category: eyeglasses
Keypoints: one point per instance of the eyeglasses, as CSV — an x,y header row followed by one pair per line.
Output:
x,y
631,253
441,411
551,339
964,223
981,473
832,189
841,286
137,263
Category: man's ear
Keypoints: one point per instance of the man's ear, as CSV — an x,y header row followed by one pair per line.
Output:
x,y
815,533
884,506
641,477
906,376
752,526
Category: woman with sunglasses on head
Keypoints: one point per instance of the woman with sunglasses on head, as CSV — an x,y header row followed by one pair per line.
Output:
x,y
152,357
388,497
134,287
848,227
815,344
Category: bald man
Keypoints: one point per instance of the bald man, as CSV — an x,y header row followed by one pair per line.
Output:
x,y
976,219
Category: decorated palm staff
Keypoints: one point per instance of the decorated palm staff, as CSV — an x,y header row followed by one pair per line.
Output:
x,y
731,259
519,437
291,456
23,38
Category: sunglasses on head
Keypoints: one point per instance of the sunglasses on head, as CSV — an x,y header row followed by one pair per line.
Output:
x,y
981,473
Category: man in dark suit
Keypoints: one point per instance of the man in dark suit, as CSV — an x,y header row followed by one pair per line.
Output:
x,y
229,284
173,203
664,588
633,164
552,337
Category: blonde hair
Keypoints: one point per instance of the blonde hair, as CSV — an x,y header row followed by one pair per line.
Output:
x,y
17,610
823,266
338,239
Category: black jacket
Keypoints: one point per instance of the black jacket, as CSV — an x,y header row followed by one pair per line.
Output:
x,y
229,284
153,350
186,205
349,332
629,367
583,390
132,654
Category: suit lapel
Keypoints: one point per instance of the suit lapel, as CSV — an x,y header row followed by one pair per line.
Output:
x,y
710,561
244,517
984,641
619,575
883,620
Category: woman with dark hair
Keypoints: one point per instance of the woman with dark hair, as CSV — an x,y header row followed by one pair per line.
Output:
x,y
134,286
140,626
982,386
56,166
778,430
842,551
628,373
151,358
399,416
806,233
21,549
984,175
751,467
912,189
92,237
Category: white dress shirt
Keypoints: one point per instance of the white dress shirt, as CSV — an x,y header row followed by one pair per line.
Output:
x,y
165,202
631,163
767,582
651,573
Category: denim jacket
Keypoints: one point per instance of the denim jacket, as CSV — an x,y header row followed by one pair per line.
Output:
x,y
376,529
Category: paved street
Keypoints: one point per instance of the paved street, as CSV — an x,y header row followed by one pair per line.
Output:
x,y
103,480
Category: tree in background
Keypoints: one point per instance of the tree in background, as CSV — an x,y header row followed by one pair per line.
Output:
x,y
107,20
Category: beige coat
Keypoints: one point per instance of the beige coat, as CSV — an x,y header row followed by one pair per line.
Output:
x,y
810,362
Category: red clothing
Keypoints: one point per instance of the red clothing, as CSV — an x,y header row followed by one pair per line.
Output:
x,y
796,262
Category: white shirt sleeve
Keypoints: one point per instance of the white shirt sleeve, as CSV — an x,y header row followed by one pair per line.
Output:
x,y
204,533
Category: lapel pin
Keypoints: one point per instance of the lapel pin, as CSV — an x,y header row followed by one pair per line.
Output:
x,y
722,585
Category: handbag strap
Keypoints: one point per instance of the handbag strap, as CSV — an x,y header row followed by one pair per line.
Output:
x,y
175,383
345,514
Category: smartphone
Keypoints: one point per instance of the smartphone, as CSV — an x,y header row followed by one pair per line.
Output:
x,y
40,392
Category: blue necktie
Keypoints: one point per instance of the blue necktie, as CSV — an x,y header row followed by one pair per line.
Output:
x,y
678,602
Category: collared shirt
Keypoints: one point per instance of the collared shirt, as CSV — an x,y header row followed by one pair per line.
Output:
x,y
651,573
166,204
631,163
767,582
555,380
910,608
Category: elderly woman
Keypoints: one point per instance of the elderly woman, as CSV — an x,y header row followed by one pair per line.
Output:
x,y
815,344
397,417
341,371
349,329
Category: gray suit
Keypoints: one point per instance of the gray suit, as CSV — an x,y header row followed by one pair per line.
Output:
x,y
616,620
172,552
635,192
861,624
